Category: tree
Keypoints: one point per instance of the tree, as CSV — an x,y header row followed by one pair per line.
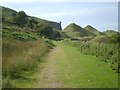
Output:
x,y
20,18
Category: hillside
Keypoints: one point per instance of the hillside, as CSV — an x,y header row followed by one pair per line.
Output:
x,y
110,32
74,30
92,30
7,12
20,23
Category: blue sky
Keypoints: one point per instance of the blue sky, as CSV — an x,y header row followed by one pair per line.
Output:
x,y
101,15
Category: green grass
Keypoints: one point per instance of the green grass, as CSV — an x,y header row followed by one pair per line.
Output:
x,y
66,67
7,12
26,79
20,35
83,71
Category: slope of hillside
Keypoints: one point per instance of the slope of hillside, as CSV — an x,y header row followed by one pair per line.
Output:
x,y
110,32
74,30
7,12
92,30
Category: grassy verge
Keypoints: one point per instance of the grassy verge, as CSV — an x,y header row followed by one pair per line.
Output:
x,y
76,70
19,60
107,52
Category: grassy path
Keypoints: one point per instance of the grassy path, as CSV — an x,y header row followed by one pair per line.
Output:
x,y
66,67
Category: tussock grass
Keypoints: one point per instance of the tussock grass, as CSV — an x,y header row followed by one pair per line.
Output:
x,y
20,55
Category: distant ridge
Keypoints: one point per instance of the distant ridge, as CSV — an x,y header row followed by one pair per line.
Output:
x,y
92,30
74,30
110,32
7,12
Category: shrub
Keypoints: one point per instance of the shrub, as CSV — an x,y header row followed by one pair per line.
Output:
x,y
20,18
45,30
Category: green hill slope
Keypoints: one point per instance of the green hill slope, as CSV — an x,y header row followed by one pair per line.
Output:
x,y
92,30
11,20
110,32
7,12
74,30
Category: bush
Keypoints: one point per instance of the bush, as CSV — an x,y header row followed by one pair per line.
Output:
x,y
45,30
20,18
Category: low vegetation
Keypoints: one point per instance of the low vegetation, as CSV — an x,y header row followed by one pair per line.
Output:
x,y
24,42
66,67
21,55
106,49
27,39
47,31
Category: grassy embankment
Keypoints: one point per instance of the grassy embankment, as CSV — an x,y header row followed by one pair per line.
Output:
x,y
20,58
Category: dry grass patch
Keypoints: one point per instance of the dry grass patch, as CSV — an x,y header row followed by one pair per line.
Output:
x,y
20,55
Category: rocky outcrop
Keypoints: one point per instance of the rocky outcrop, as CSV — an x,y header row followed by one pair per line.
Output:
x,y
55,25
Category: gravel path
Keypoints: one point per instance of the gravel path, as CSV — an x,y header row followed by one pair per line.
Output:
x,y
47,76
